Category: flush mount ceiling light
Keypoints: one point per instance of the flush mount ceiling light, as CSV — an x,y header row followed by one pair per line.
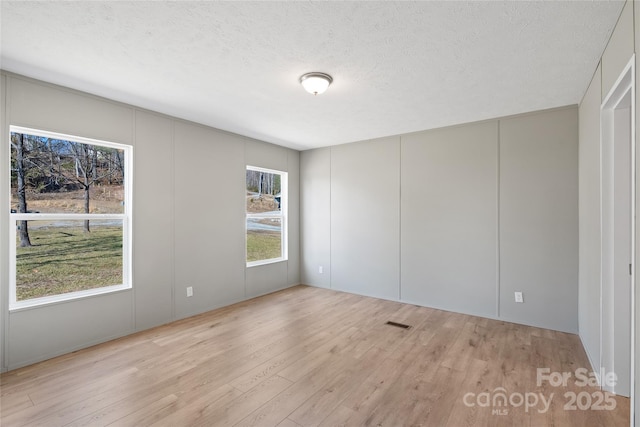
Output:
x,y
315,83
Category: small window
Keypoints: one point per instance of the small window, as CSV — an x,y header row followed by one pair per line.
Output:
x,y
70,217
266,220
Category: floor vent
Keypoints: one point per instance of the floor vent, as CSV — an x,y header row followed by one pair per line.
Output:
x,y
398,325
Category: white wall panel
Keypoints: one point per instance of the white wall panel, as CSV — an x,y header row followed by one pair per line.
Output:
x,y
619,50
539,219
153,220
266,278
46,107
44,332
209,218
365,218
449,218
315,207
293,238
589,221
265,155
5,188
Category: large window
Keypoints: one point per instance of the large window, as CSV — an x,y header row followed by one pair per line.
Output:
x,y
70,217
266,194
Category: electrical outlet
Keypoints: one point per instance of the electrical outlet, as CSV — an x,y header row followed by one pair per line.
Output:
x,y
320,270
519,297
190,291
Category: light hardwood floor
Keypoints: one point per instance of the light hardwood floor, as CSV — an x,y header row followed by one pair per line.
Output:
x,y
308,356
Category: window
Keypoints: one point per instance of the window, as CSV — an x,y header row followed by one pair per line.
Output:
x,y
266,195
70,217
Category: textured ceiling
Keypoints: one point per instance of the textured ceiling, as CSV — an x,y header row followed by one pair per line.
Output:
x,y
398,66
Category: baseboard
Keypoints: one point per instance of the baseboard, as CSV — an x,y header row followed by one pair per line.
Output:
x,y
54,354
590,359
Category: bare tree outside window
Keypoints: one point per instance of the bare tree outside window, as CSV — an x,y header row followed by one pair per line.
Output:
x,y
17,143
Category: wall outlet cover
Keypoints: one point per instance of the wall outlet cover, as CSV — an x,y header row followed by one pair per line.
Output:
x,y
519,297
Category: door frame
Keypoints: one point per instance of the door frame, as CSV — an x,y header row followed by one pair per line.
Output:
x,y
625,85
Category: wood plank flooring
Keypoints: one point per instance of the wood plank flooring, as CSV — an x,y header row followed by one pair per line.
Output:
x,y
313,357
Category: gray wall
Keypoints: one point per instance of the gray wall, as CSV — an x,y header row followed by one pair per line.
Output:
x,y
365,213
589,214
619,49
4,231
538,219
480,211
315,216
449,199
209,249
188,221
615,58
154,297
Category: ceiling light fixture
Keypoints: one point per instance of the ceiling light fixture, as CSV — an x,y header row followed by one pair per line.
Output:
x,y
315,82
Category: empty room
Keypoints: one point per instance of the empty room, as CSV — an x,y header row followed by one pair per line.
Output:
x,y
311,213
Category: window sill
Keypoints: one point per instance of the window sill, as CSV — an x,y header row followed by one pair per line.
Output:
x,y
265,262
64,298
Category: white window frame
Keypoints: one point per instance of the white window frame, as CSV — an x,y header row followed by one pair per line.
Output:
x,y
284,203
125,217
